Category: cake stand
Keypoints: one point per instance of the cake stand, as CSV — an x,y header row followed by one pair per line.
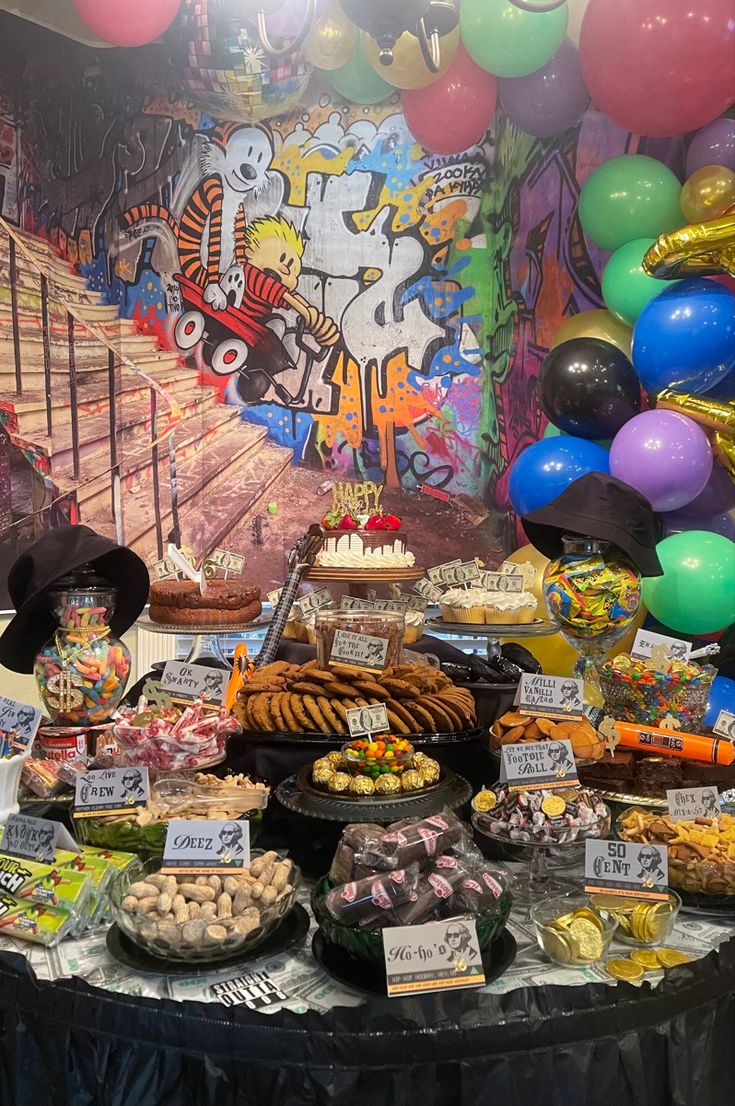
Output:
x,y
206,640
494,634
359,580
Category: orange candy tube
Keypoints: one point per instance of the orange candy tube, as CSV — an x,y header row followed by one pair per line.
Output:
x,y
648,739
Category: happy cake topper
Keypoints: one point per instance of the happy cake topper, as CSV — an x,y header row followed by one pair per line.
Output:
x,y
356,499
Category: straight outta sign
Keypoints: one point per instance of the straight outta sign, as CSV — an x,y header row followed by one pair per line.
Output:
x,y
256,991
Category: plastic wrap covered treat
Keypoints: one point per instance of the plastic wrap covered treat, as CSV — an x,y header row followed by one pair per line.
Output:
x,y
543,817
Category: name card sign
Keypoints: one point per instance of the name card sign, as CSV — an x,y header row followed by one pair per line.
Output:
x,y
187,682
502,582
687,803
550,696
436,956
35,838
646,641
364,721
428,590
314,601
538,765
725,725
110,791
629,868
360,651
19,724
201,848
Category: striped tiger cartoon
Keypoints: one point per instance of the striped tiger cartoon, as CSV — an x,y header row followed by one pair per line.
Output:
x,y
211,233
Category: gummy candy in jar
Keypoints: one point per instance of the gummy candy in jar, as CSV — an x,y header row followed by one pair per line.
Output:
x,y
82,670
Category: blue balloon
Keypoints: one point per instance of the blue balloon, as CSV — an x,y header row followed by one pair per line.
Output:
x,y
721,697
685,338
546,468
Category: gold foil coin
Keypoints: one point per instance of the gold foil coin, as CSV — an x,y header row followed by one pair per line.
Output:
x,y
647,958
587,938
671,958
624,969
553,805
485,801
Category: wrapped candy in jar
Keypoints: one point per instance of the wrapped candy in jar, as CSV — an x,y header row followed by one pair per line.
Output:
x,y
591,591
82,670
646,692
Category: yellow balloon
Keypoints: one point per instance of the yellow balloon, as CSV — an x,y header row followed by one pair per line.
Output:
x,y
595,324
332,40
528,553
577,9
708,193
408,68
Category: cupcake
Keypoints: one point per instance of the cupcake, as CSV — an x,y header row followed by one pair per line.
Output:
x,y
510,609
464,605
414,627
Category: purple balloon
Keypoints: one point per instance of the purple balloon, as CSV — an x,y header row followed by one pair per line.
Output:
x,y
713,145
679,521
718,495
550,100
665,456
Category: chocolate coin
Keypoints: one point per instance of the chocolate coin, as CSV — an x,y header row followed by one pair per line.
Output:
x,y
624,969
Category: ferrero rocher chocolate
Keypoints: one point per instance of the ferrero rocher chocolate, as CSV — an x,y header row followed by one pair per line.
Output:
x,y
336,759
339,782
322,775
361,785
411,780
324,762
387,785
429,771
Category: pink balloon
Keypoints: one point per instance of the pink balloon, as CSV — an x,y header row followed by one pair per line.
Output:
x,y
128,22
659,67
453,113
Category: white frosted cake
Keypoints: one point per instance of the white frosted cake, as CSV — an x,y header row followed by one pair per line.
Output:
x,y
365,549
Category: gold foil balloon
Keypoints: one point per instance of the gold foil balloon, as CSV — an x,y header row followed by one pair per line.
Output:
x,y
723,447
332,40
528,554
708,193
595,324
698,249
710,413
408,68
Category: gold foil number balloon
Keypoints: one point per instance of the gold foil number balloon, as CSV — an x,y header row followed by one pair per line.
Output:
x,y
332,41
708,193
699,249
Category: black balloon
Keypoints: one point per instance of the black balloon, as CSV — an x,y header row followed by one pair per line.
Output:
x,y
588,388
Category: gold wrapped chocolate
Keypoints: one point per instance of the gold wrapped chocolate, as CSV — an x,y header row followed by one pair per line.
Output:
x,y
387,785
723,448
573,938
321,776
430,771
710,413
335,759
339,782
698,249
361,785
411,780
324,762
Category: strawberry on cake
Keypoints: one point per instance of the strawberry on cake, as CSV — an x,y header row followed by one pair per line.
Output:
x,y
367,542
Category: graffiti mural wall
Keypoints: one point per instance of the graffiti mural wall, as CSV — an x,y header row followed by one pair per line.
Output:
x,y
322,300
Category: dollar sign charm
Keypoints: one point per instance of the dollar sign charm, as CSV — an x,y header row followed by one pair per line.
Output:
x,y
63,687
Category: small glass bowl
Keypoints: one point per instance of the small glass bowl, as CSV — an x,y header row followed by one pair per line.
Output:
x,y
562,945
641,923
376,766
168,940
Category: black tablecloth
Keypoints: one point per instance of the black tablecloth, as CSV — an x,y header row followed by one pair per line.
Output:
x,y
70,1044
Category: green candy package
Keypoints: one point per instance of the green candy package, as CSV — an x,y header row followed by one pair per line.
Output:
x,y
43,925
45,884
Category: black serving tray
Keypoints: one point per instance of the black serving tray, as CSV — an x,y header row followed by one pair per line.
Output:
x,y
298,795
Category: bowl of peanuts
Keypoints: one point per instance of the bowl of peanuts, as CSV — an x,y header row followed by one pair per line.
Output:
x,y
202,919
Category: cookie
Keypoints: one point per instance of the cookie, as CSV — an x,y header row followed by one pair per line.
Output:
x,y
336,724
423,717
369,687
261,714
455,718
437,712
340,689
511,719
275,708
401,689
306,687
397,724
312,708
300,714
404,714
288,715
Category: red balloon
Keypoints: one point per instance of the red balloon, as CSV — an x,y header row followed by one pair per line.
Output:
x,y
659,67
454,112
128,22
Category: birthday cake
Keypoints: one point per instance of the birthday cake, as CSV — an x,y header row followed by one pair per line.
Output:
x,y
224,603
360,535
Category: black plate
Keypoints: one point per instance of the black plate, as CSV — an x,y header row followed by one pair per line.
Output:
x,y
453,791
291,931
720,906
368,976
336,741
303,779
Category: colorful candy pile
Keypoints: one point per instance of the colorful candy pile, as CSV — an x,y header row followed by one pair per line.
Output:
x,y
98,675
557,817
70,616
380,756
642,692
591,596
172,739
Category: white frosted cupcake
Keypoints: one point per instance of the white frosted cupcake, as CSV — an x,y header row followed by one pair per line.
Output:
x,y
414,627
512,610
464,605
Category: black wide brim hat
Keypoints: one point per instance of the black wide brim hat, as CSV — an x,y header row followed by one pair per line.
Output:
x,y
59,552
601,507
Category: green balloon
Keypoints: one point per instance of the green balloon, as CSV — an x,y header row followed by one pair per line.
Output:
x,y
629,197
696,594
508,41
552,431
626,286
357,81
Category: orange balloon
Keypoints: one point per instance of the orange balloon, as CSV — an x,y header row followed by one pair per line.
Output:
x,y
708,193
595,324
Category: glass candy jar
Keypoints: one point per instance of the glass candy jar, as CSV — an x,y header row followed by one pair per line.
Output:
x,y
592,592
82,670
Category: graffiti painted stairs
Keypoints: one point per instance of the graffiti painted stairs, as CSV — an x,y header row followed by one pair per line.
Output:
x,y
224,466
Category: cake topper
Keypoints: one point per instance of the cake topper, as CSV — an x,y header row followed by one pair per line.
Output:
x,y
356,499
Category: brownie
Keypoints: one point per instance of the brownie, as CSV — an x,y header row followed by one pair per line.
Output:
x,y
221,594
657,775
620,766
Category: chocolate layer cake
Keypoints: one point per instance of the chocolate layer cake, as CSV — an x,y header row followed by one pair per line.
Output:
x,y
224,603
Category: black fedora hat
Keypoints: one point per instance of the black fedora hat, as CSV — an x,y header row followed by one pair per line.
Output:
x,y
599,506
57,553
